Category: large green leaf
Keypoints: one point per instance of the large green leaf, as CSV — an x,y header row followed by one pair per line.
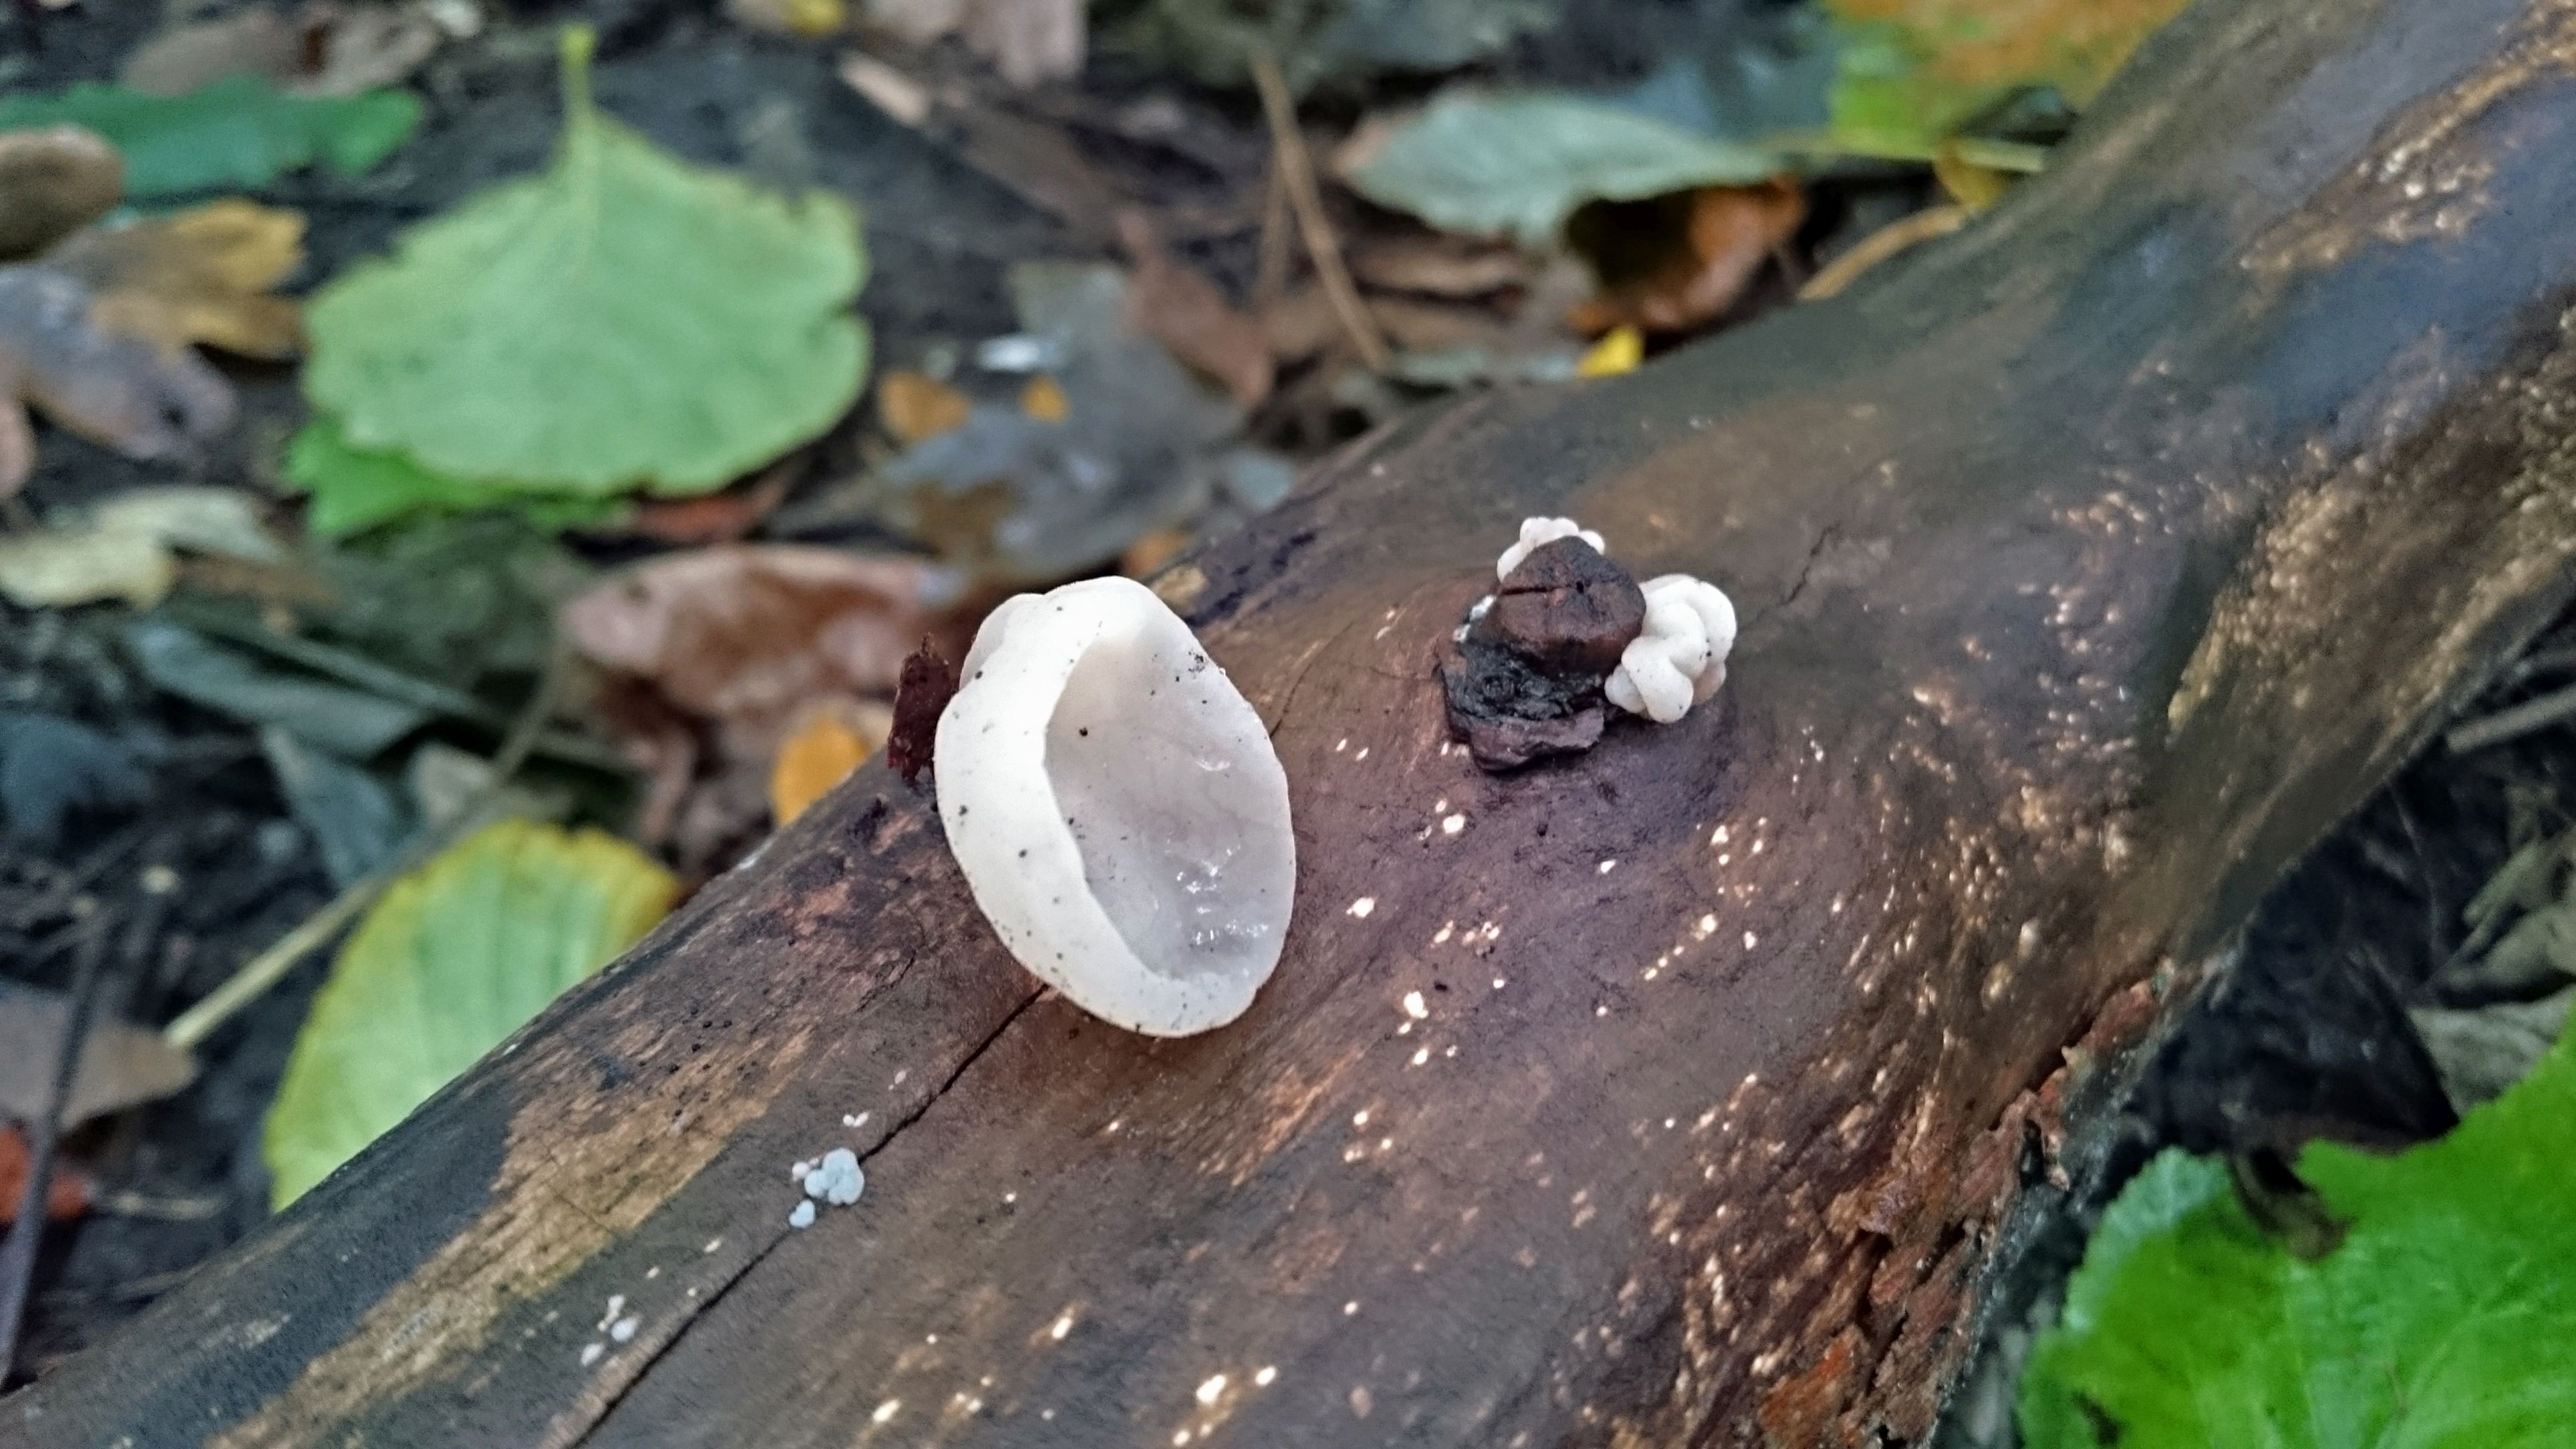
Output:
x,y
237,132
621,320
455,957
1518,164
356,489
2443,1319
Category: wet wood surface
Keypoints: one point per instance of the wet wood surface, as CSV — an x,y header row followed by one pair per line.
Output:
x,y
1690,1091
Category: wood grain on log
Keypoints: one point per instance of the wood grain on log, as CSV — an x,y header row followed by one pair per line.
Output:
x,y
1689,1091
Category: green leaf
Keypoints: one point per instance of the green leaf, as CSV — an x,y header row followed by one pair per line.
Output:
x,y
1519,163
356,489
1912,72
2438,1322
621,320
237,133
454,958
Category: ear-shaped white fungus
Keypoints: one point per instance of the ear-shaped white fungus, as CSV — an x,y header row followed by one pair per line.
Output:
x,y
1117,807
1680,658
1536,531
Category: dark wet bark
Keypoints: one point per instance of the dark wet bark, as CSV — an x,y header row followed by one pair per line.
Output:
x,y
1690,1090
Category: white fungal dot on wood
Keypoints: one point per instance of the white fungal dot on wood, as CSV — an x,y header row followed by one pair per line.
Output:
x,y
1062,1326
1268,1375
1751,940
886,1411
712,1245
590,1353
623,1330
1210,1390
1414,1006
1361,908
1452,824
1608,866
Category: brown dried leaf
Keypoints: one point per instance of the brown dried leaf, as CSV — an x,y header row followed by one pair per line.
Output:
x,y
199,276
324,50
829,739
54,180
727,517
97,332
1691,276
1439,266
121,1066
744,634
1187,314
1028,41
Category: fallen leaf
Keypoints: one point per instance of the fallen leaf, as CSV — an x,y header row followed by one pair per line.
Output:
x,y
1663,277
829,740
355,820
727,517
66,1191
745,634
1438,266
1971,186
1911,72
455,956
1517,164
53,181
2483,1051
1146,556
1019,499
804,19
356,489
126,547
1043,400
240,132
325,49
197,276
1618,351
1028,41
1350,41
51,766
498,345
96,332
915,406
1186,313
121,1066
345,721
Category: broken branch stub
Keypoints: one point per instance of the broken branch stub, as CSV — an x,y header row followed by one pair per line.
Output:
x,y
1694,1090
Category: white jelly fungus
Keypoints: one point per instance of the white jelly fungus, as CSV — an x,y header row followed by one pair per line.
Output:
x,y
1117,808
1537,531
837,1179
802,1215
1680,658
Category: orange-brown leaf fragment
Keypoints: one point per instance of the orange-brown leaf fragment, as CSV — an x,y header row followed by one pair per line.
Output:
x,y
1188,315
827,743
66,1192
915,406
1696,269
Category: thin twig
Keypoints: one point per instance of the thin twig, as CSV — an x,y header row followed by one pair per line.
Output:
x,y
1270,271
267,968
18,1254
1297,169
1900,235
2536,713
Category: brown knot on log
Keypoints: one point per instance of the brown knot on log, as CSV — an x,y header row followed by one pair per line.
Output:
x,y
1525,682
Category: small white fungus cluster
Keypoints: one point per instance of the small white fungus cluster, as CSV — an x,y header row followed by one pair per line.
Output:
x,y
1679,658
836,1180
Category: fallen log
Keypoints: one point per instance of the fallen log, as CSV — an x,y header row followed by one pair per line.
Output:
x,y
1693,1090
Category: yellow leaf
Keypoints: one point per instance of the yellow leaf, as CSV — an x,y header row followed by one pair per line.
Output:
x,y
821,752
1045,401
915,406
199,276
1619,350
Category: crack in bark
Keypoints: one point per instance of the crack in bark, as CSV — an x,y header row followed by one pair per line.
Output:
x,y
707,1301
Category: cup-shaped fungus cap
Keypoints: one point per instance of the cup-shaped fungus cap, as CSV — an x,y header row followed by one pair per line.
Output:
x,y
1680,658
1118,809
